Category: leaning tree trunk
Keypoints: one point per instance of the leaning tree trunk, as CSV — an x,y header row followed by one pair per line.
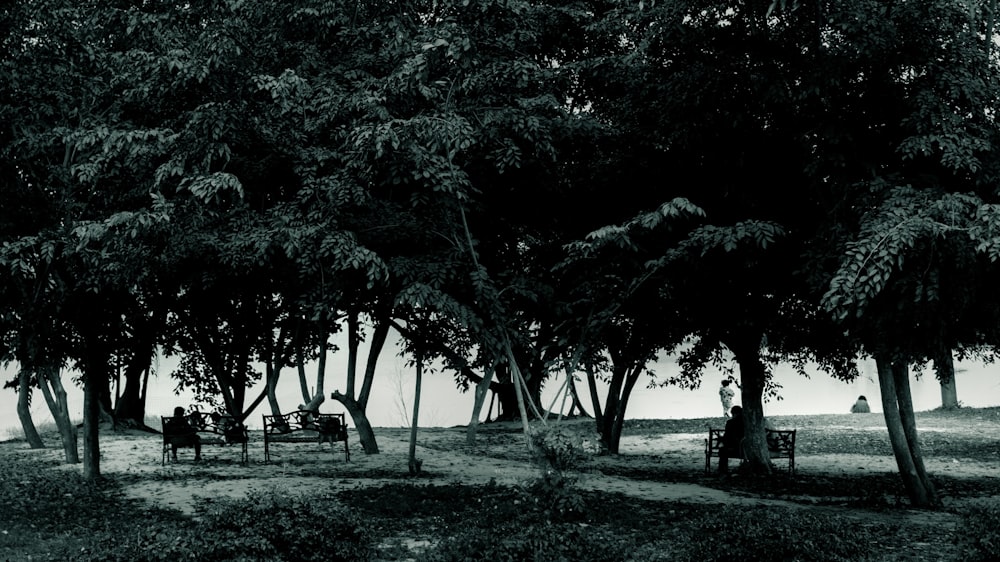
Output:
x,y
357,407
361,423
753,376
24,410
55,396
576,408
595,398
482,389
897,407
271,376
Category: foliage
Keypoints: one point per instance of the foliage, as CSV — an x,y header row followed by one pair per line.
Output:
x,y
558,450
769,535
270,526
980,532
41,495
548,543
554,497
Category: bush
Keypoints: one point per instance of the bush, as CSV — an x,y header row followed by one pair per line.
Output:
x,y
541,543
980,532
557,450
554,498
264,527
747,533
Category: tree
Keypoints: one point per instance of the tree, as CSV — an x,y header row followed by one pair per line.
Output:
x,y
701,98
921,249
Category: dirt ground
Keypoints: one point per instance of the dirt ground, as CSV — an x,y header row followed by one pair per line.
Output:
x,y
500,455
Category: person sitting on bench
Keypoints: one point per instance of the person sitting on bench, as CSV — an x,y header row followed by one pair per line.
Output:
x,y
732,439
183,434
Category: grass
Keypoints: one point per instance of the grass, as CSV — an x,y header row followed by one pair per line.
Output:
x,y
51,514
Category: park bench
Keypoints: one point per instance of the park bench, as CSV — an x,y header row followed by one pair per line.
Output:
x,y
212,428
780,445
305,426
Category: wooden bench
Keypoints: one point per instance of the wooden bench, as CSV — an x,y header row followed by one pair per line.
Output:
x,y
780,445
305,426
211,428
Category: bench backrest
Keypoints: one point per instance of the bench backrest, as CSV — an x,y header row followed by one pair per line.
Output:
x,y
781,441
715,439
178,426
304,420
205,422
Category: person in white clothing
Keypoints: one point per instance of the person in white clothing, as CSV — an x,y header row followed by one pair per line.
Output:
x,y
726,394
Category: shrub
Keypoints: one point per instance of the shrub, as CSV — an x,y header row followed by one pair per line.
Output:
x,y
542,543
554,498
264,527
742,532
557,450
980,532
301,528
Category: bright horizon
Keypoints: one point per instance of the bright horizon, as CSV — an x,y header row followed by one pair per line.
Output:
x,y
443,405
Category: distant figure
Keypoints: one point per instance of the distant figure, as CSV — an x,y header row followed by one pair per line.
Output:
x,y
183,434
732,440
726,395
861,406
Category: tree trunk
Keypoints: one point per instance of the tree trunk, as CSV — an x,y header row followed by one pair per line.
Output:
x,y
353,341
24,410
271,377
901,376
507,397
897,408
300,363
944,364
361,422
482,389
622,404
606,429
321,365
130,406
595,398
415,463
376,342
515,375
55,396
91,426
577,406
753,375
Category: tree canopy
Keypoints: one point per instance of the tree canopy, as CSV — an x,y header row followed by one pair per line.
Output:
x,y
517,187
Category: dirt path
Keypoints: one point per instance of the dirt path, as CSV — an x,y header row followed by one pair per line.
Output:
x,y
301,468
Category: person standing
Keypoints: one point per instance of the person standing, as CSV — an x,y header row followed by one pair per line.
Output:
x,y
726,395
